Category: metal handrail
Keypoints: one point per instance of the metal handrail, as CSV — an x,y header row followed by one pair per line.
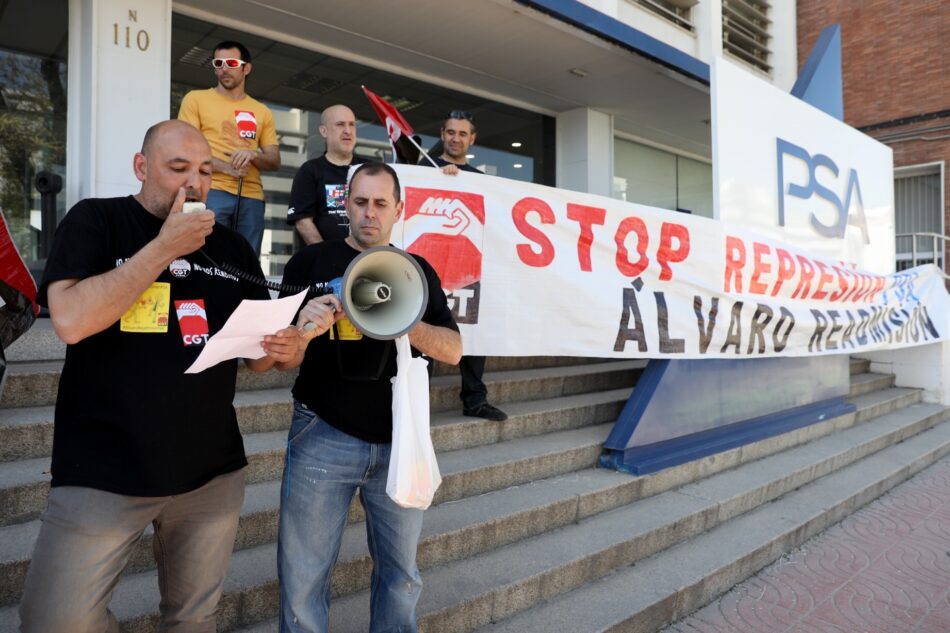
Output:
x,y
939,255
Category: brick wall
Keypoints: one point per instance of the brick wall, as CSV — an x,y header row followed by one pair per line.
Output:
x,y
895,63
894,55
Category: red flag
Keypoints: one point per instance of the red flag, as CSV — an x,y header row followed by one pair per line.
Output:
x,y
18,306
397,127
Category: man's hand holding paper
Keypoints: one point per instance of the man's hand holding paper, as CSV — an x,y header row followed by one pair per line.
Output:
x,y
255,329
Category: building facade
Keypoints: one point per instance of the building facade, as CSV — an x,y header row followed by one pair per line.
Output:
x,y
603,96
896,82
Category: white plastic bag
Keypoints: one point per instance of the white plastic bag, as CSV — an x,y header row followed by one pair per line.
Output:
x,y
413,471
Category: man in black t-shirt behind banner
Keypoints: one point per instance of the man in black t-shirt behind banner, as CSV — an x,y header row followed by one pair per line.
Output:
x,y
319,188
457,135
341,433
136,441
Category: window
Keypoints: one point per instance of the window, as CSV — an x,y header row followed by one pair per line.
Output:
x,y
32,116
657,178
745,32
676,11
918,208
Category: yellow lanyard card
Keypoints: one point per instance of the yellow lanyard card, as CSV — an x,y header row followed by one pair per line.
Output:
x,y
149,313
347,331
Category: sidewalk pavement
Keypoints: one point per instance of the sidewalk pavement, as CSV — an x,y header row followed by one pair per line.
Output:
x,y
884,569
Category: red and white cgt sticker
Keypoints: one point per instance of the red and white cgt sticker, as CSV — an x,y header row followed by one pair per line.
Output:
x,y
246,124
192,321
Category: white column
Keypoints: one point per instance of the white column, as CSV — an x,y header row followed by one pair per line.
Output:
x,y
119,85
784,45
585,151
707,18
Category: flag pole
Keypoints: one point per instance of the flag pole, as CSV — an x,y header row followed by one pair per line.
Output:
x,y
424,153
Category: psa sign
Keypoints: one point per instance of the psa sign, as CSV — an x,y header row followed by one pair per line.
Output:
x,y
824,179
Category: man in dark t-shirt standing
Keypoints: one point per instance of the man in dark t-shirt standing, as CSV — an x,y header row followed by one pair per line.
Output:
x,y
341,433
133,289
457,136
319,188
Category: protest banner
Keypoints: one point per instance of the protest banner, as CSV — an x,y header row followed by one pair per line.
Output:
x,y
532,270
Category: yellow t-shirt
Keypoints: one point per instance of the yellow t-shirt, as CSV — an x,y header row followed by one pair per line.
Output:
x,y
229,125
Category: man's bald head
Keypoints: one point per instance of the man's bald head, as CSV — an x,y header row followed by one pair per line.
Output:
x,y
338,128
166,131
174,156
334,112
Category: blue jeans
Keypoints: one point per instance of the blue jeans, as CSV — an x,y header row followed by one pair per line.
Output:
x,y
324,468
250,221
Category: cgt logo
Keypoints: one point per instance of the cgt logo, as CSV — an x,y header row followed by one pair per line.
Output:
x,y
813,186
446,228
246,124
192,321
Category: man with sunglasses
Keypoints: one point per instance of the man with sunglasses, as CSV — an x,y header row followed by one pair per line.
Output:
x,y
243,140
457,136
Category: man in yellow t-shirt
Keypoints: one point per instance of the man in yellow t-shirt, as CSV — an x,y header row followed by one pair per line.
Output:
x,y
243,142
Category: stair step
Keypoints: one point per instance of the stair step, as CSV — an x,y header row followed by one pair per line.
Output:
x,y
535,384
35,383
466,472
259,519
24,483
38,343
865,383
508,363
859,365
251,588
672,584
31,384
461,596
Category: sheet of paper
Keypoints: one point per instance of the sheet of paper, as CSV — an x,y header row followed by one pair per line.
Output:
x,y
242,334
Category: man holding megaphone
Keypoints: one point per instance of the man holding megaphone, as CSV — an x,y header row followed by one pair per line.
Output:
x,y
340,436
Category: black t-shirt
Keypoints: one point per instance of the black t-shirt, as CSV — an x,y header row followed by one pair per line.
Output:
x,y
441,162
318,192
128,419
345,376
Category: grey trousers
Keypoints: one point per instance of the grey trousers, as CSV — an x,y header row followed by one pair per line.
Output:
x,y
87,538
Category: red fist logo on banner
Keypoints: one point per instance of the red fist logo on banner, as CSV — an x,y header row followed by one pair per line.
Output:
x,y
447,228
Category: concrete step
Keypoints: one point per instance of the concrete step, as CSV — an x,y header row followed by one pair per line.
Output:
x,y
672,584
473,525
35,383
868,382
509,363
40,343
466,472
24,483
27,431
461,596
859,365
534,384
449,432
